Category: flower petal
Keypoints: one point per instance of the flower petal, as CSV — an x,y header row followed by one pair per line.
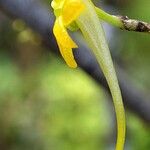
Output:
x,y
67,54
61,34
65,43
71,10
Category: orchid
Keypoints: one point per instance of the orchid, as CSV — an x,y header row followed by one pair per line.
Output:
x,y
66,12
85,16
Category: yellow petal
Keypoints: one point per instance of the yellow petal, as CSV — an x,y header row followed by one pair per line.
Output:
x,y
67,54
65,43
71,10
62,36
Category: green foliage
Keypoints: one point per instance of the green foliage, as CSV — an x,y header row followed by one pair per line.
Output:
x,y
139,134
135,49
51,107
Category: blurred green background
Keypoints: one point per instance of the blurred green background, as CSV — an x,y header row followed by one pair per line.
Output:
x,y
44,105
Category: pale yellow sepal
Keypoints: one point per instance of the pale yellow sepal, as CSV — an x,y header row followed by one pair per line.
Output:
x,y
57,4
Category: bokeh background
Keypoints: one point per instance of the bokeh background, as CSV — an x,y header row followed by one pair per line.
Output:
x,y
44,105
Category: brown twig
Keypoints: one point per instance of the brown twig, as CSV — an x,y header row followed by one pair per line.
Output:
x,y
134,25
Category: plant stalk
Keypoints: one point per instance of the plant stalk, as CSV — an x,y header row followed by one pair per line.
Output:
x,y
123,22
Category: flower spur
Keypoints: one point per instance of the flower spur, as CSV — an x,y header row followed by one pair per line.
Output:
x,y
84,14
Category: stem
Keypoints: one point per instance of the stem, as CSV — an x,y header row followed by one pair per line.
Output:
x,y
123,22
111,19
93,32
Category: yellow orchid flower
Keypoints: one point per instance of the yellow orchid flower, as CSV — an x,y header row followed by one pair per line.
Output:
x,y
66,12
85,15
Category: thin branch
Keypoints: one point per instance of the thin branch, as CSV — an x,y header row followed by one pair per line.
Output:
x,y
41,20
123,22
134,25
